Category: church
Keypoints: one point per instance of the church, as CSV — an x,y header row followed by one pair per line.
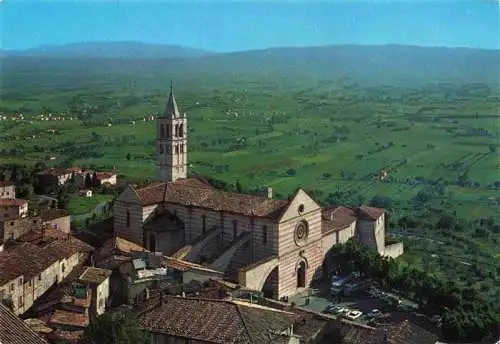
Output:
x,y
257,241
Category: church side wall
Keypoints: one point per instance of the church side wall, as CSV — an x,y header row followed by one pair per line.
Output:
x,y
133,232
347,233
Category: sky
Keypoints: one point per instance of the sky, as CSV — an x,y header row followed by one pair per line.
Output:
x,y
231,25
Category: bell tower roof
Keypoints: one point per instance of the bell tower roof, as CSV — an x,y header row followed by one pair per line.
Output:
x,y
171,111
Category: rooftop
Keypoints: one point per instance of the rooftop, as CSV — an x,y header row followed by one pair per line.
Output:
x,y
215,321
60,317
5,183
198,193
95,275
15,331
12,202
105,175
52,214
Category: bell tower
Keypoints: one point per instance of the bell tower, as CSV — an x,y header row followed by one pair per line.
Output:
x,y
171,142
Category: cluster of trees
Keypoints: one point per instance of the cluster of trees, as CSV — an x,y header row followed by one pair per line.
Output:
x,y
467,315
114,328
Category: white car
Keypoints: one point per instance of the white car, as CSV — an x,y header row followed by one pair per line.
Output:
x,y
374,313
353,315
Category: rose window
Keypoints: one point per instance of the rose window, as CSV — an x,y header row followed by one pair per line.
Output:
x,y
301,232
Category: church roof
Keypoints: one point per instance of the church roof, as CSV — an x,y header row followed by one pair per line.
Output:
x,y
370,213
193,192
171,110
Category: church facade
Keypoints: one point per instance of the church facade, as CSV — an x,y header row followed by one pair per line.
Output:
x,y
260,242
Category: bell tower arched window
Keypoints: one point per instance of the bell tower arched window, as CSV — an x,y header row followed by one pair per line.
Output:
x,y
162,131
181,130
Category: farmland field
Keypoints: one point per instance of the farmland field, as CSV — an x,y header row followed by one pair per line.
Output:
x,y
324,135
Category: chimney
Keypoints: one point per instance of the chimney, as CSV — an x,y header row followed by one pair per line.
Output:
x,y
269,192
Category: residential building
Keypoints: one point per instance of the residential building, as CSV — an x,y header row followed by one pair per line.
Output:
x,y
97,280
106,178
7,190
13,208
39,261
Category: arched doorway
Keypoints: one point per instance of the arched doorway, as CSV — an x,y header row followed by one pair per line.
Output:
x,y
301,275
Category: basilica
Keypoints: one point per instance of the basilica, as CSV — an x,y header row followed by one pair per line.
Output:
x,y
257,241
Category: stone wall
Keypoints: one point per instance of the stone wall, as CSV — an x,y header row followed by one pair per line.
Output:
x,y
15,228
102,296
394,250
14,211
128,206
254,276
62,224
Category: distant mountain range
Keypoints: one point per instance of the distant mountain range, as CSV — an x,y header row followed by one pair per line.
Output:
x,y
122,50
385,64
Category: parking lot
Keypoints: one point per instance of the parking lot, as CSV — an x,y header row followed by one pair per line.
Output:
x,y
319,300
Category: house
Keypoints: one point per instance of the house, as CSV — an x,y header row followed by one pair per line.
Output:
x,y
258,241
136,269
85,193
52,178
35,263
106,178
174,319
14,331
7,190
97,280
13,208
15,228
58,219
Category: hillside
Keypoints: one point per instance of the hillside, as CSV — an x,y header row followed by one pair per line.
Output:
x,y
118,50
369,65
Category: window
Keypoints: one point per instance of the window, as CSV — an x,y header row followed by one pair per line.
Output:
x,y
11,287
235,229
40,277
63,268
168,131
161,148
182,148
264,234
203,223
20,282
128,219
181,130
176,149
20,301
162,131
29,283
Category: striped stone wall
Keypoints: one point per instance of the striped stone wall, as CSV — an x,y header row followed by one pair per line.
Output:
x,y
312,254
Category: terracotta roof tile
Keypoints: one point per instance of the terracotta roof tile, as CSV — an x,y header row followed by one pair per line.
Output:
x,y
337,218
370,213
95,275
33,256
61,317
197,193
6,202
15,331
5,183
215,321
52,214
105,175
407,332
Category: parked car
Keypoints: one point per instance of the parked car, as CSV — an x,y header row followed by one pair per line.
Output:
x,y
353,315
374,313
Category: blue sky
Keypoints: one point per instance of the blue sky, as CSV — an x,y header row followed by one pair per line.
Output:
x,y
235,25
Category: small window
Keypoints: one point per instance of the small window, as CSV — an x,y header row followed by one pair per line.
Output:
x,y
264,234
301,208
162,131
176,149
128,219
235,229
20,281
20,301
12,287
161,148
63,268
29,283
182,149
40,277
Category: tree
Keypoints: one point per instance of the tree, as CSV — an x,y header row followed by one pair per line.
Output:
x,y
88,180
114,328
